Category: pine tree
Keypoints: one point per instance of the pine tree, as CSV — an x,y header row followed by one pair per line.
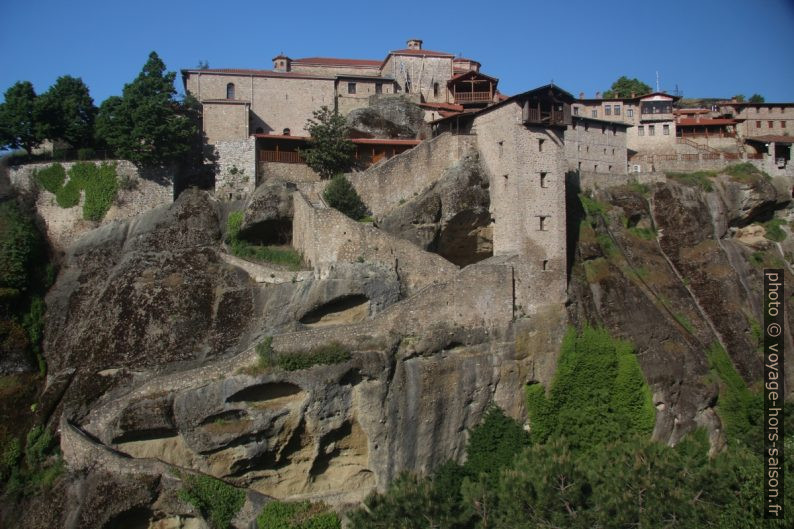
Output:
x,y
18,118
329,151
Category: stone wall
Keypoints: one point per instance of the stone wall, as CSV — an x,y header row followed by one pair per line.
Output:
x,y
365,88
526,167
145,190
383,186
325,236
291,172
595,146
235,176
587,180
225,121
639,138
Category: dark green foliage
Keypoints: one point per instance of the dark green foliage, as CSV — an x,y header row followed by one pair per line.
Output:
x,y
286,257
340,194
774,230
51,178
20,246
699,179
494,443
333,353
217,501
625,87
18,118
33,470
86,153
264,351
756,98
598,393
66,112
329,151
146,125
738,98
745,173
647,234
297,515
740,409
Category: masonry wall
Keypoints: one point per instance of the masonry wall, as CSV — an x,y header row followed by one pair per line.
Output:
x,y
333,71
64,226
325,236
423,73
365,88
757,118
639,138
514,159
225,121
597,147
276,102
383,186
235,176
291,172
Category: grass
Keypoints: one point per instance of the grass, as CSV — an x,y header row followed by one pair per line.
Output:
x,y
698,179
638,187
596,270
592,207
745,173
774,230
646,234
286,257
217,501
332,353
684,322
297,515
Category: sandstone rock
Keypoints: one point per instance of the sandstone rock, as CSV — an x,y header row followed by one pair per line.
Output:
x,y
267,215
451,217
390,116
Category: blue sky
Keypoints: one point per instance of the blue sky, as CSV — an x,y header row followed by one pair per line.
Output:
x,y
708,48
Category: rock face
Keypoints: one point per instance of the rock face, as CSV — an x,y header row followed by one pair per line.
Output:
x,y
267,216
451,217
387,117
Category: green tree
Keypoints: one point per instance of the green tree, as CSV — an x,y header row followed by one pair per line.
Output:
x,y
340,194
330,152
625,87
757,98
18,118
739,98
146,125
66,112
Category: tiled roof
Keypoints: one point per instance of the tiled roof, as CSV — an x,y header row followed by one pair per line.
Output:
x,y
429,53
443,106
256,73
332,61
385,141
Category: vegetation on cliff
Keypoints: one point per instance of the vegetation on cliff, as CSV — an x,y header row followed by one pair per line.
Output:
x,y
281,256
341,195
330,152
99,182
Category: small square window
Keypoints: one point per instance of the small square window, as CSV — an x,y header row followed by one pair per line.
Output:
x,y
651,130
771,124
351,88
595,113
575,111
640,131
782,124
545,264
378,88
758,124
607,110
542,223
630,112
543,179
617,110
540,145
666,130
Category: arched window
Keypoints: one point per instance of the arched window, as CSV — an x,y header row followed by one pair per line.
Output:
x,y
230,91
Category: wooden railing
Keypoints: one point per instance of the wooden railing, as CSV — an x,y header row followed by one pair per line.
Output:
x,y
280,156
535,115
471,97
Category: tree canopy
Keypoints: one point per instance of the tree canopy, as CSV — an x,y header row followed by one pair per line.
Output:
x,y
757,98
330,151
66,112
146,125
625,87
18,117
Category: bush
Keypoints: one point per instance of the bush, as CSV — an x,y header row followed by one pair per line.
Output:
x,y
86,153
598,394
341,195
774,230
494,443
51,178
100,184
217,501
332,353
297,515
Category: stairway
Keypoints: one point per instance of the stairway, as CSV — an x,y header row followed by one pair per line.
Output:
x,y
698,146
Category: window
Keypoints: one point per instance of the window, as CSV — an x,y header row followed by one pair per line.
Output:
x,y
603,129
435,89
351,88
586,127
651,130
378,88
640,131
605,150
782,124
543,179
578,147
542,223
758,124
595,168
610,168
545,264
579,166
586,148
575,111
614,130
630,112
607,110
540,145
595,113
230,91
617,110
666,130
771,124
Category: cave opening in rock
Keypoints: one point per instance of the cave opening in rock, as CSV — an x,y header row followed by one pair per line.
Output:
x,y
152,434
342,310
466,239
266,392
135,518
273,232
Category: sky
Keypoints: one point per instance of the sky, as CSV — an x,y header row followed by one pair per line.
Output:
x,y
704,48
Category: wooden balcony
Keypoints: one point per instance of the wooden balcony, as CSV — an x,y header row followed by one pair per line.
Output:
x,y
472,97
547,116
280,156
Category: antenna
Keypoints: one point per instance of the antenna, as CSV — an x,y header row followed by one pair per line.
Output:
x,y
657,80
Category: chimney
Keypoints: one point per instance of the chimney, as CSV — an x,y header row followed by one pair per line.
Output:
x,y
581,95
598,95
282,63
414,44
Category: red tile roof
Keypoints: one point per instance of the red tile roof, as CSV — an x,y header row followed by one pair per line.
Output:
x,y
429,53
385,141
443,106
256,73
685,122
691,111
333,61
464,59
472,73
280,137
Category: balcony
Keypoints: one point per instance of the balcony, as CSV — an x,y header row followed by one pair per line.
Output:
x,y
472,97
546,115
280,156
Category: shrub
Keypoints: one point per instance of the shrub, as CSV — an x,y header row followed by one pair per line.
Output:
x,y
341,195
86,153
745,172
699,179
598,394
333,353
774,230
264,351
297,515
494,443
51,178
217,501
